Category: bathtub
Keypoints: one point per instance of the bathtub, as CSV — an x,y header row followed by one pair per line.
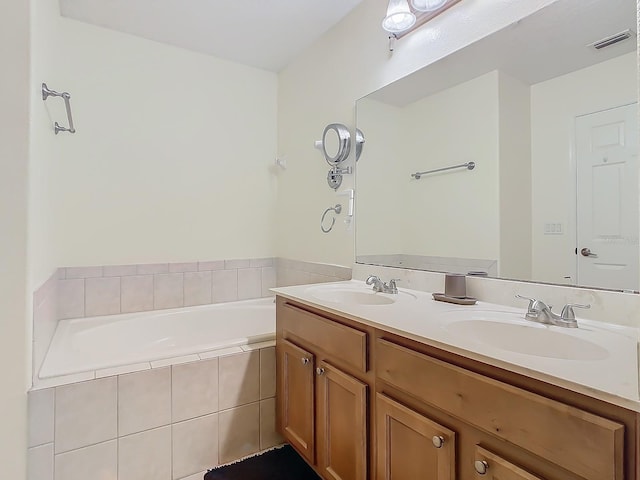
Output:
x,y
96,343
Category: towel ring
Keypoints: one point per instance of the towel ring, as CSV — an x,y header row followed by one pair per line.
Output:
x,y
337,209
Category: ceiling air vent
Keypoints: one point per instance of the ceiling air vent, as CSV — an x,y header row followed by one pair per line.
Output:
x,y
611,40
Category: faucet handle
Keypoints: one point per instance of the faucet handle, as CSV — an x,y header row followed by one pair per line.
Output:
x,y
532,302
371,279
392,285
568,313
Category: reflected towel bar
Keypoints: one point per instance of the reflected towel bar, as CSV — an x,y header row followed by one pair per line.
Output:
x,y
46,93
468,166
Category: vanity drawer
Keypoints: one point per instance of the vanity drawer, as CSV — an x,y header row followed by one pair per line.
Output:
x,y
342,343
583,443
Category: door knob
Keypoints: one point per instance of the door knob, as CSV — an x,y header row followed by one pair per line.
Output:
x,y
438,441
320,371
305,361
585,252
481,467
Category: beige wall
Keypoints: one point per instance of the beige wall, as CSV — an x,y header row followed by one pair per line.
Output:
x,y
453,214
554,106
14,150
171,159
515,177
321,87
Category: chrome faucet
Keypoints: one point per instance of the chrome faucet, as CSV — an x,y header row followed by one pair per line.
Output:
x,y
540,312
382,287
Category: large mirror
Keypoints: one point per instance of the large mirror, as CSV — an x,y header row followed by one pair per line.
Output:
x,y
550,122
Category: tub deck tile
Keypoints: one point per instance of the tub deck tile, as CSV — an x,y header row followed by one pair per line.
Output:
x,y
165,362
221,352
113,371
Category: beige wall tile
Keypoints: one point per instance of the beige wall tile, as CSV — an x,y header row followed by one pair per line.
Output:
x,y
83,272
145,456
215,265
225,286
95,462
197,288
195,445
267,372
40,462
183,267
41,416
85,413
233,264
249,283
102,296
168,290
239,433
153,268
268,280
261,262
195,389
119,270
136,293
70,298
239,379
269,436
144,400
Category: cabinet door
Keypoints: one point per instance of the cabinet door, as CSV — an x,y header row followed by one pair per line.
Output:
x,y
342,425
490,466
296,397
410,446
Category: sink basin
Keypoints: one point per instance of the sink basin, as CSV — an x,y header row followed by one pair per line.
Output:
x,y
507,331
356,296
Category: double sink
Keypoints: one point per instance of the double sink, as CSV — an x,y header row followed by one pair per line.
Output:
x,y
503,329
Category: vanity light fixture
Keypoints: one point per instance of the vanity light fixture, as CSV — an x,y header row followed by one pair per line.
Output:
x,y
399,17
427,5
403,18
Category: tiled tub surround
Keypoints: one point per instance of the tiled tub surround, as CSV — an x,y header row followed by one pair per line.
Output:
x,y
77,292
164,423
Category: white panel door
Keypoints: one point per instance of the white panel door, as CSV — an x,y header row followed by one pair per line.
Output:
x,y
607,199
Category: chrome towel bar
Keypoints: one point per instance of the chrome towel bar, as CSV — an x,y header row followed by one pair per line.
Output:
x,y
468,166
46,93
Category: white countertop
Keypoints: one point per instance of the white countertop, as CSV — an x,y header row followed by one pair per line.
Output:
x,y
611,375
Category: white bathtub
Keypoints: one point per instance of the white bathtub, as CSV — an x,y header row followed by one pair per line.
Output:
x,y
95,343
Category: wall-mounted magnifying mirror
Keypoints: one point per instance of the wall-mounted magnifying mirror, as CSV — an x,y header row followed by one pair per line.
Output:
x,y
336,143
359,143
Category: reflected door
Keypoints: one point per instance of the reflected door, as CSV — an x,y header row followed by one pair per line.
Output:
x,y
607,199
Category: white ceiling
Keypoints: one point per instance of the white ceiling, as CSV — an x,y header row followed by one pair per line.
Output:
x,y
264,34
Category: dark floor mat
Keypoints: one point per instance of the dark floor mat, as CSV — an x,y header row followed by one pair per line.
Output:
x,y
279,464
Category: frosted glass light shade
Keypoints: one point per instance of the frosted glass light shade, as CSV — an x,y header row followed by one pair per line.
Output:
x,y
427,5
399,18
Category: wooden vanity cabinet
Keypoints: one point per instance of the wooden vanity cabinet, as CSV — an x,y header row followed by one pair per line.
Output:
x,y
323,391
361,403
411,446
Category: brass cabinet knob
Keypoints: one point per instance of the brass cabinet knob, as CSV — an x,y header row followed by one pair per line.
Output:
x,y
320,370
305,361
438,441
481,467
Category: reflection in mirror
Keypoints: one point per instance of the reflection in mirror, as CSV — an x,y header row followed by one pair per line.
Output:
x,y
550,122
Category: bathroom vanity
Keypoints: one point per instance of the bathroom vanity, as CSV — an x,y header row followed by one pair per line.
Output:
x,y
374,390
